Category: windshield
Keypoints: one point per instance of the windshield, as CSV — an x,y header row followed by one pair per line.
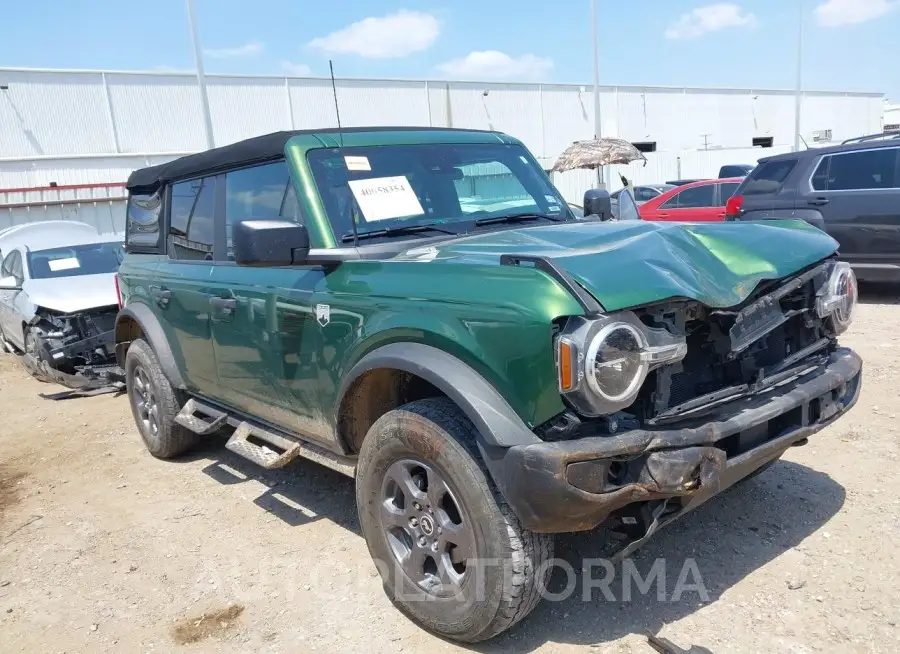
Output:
x,y
450,185
75,260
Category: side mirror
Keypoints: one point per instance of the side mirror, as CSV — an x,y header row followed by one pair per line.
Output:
x,y
269,243
10,284
597,203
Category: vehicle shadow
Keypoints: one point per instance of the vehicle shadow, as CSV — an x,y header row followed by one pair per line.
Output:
x,y
301,493
879,293
715,546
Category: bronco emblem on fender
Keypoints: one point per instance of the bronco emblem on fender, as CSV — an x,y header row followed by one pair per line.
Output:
x,y
323,314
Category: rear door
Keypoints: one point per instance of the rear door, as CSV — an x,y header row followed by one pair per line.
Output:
x,y
769,190
858,195
691,204
182,286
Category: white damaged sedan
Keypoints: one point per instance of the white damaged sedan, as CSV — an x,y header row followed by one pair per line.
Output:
x,y
58,297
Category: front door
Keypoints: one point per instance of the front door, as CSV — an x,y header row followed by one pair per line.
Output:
x,y
265,330
183,285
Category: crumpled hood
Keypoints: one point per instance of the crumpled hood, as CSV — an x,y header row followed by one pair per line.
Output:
x,y
632,263
73,294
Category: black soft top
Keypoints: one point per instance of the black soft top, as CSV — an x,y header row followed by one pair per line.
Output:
x,y
258,149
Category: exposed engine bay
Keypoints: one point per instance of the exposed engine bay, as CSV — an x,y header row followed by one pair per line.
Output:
x,y
76,350
679,360
775,336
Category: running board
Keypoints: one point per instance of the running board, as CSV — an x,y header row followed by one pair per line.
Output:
x,y
265,447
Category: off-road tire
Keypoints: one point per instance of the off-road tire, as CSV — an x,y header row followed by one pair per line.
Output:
x,y
435,432
170,438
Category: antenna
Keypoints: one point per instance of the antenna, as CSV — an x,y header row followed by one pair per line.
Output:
x,y
337,111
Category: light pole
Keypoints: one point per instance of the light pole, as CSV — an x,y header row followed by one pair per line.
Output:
x,y
797,90
596,44
201,81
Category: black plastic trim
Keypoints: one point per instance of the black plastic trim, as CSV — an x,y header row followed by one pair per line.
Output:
x,y
153,331
492,416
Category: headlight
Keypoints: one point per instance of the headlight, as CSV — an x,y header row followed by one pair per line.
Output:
x,y
602,362
614,365
837,297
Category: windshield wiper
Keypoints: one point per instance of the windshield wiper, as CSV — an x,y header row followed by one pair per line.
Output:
x,y
515,218
397,231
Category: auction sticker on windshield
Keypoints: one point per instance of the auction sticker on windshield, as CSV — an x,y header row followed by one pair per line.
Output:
x,y
383,198
69,263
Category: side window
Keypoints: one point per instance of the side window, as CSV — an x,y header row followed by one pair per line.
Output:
x,y
726,191
671,203
768,177
692,198
260,192
820,177
142,220
644,193
192,223
871,169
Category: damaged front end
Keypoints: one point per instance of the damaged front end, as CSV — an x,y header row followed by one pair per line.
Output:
x,y
76,349
671,404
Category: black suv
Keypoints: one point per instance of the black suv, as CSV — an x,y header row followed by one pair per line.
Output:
x,y
851,191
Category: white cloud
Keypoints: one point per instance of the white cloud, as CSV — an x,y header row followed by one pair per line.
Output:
x,y
710,18
246,50
385,37
834,13
493,64
300,70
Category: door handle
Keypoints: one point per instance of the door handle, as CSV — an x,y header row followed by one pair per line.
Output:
x,y
162,296
223,304
818,202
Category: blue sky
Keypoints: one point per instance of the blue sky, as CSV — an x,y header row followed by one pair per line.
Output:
x,y
848,44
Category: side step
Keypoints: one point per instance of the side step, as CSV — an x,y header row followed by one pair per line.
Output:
x,y
240,444
263,446
189,419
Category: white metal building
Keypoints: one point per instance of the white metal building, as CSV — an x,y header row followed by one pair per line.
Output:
x,y
93,127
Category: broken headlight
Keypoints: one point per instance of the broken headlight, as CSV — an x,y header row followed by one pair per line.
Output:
x,y
602,362
836,298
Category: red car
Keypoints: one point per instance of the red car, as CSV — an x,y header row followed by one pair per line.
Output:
x,y
702,201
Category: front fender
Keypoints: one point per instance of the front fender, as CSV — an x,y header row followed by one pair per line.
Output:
x,y
497,423
153,332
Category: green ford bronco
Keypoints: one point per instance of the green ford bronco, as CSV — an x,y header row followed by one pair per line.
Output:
x,y
421,310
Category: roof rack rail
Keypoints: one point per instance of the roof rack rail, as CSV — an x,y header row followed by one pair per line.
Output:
x,y
872,137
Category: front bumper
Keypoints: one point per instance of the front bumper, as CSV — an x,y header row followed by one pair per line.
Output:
x,y
576,485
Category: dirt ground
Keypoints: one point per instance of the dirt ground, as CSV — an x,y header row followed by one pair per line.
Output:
x,y
103,548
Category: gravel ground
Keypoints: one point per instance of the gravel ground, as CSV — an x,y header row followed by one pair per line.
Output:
x,y
103,548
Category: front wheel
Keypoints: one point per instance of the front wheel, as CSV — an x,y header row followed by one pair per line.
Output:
x,y
451,553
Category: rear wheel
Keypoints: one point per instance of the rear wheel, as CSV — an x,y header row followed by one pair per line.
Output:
x,y
154,403
451,553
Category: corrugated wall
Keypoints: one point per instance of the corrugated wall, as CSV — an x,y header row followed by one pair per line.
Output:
x,y
45,113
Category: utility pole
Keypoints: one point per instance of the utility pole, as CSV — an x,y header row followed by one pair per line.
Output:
x,y
706,141
797,90
201,80
596,44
